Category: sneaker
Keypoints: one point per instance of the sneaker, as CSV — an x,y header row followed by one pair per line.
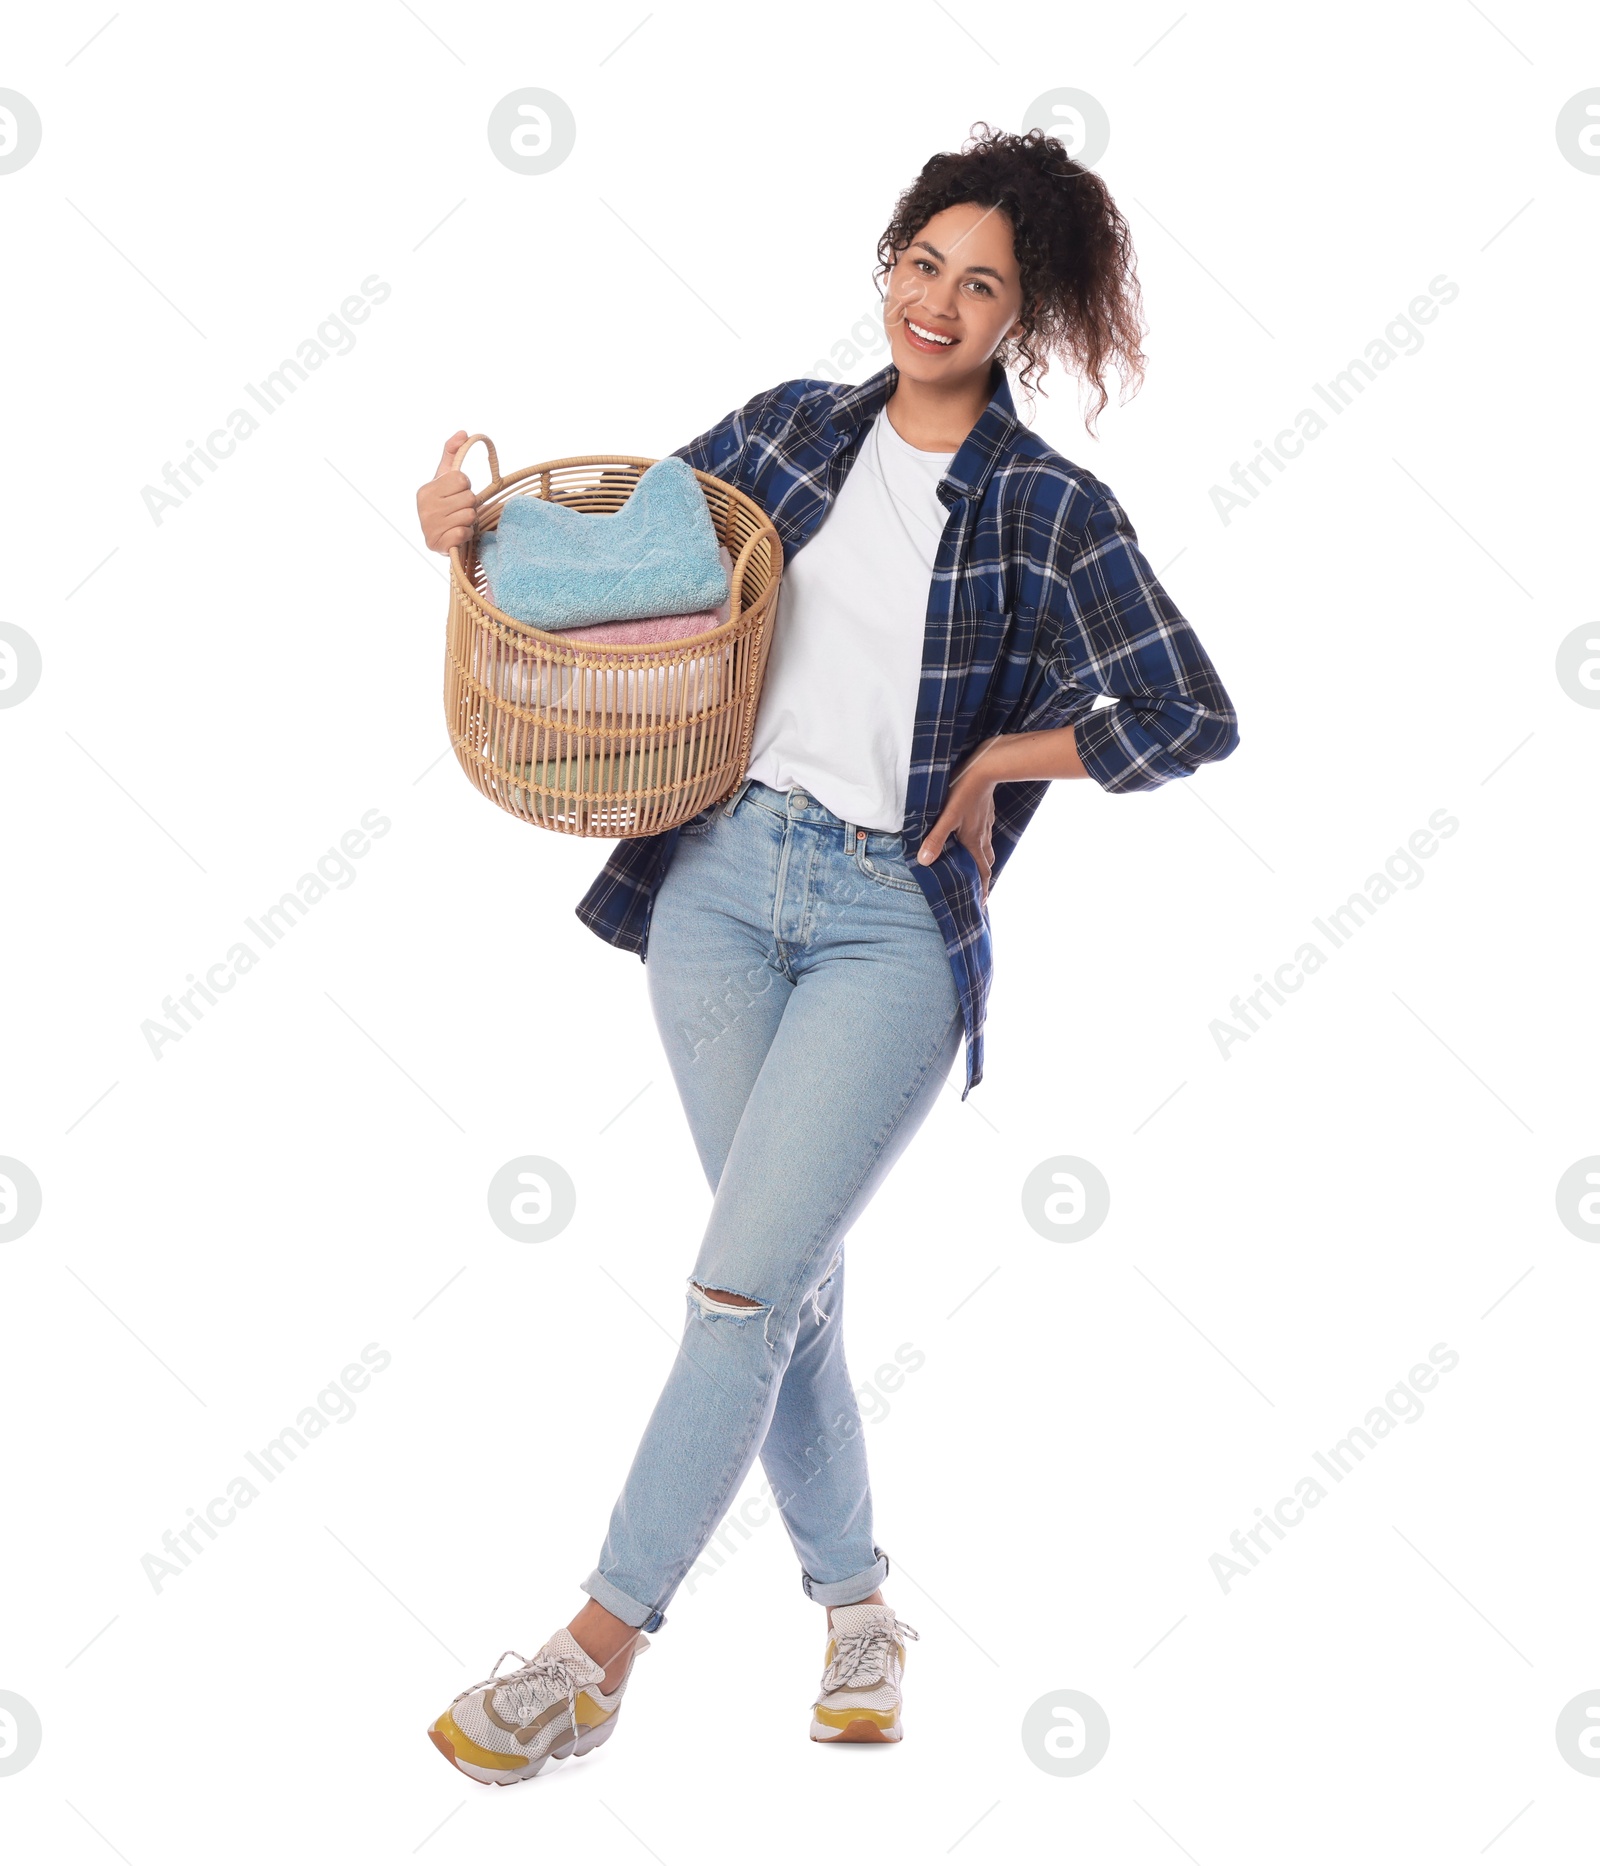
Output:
x,y
860,1697
506,1727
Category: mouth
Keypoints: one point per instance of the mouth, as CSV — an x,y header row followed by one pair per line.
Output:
x,y
920,337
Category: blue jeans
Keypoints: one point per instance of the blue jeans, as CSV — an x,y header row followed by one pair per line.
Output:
x,y
804,996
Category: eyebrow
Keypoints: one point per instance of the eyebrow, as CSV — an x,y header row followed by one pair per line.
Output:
x,y
928,246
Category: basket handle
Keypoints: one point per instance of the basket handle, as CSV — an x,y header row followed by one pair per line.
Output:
x,y
494,461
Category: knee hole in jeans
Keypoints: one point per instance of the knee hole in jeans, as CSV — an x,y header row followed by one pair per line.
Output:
x,y
720,1301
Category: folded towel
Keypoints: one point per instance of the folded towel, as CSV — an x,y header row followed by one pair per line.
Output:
x,y
606,773
656,556
661,628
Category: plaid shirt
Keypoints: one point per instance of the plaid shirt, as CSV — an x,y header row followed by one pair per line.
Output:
x,y
1040,600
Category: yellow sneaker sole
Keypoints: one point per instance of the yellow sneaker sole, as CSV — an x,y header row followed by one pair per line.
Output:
x,y
858,1730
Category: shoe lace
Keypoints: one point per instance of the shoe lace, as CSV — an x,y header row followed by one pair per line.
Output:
x,y
536,1683
862,1657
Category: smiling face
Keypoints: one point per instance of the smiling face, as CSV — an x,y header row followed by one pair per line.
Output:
x,y
958,281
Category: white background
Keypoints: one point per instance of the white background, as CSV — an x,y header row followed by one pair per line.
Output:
x,y
225,693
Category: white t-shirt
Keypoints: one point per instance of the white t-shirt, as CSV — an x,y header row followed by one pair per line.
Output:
x,y
840,696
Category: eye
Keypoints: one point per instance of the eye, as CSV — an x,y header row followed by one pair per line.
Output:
x,y
987,291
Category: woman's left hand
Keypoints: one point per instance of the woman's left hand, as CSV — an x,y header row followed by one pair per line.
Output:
x,y
968,815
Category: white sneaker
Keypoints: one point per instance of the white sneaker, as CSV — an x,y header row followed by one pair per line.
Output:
x,y
859,1701
506,1727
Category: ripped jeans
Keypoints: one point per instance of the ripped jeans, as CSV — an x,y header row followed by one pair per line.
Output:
x,y
805,1000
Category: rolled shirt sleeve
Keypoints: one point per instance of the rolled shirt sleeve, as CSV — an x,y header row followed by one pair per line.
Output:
x,y
1122,635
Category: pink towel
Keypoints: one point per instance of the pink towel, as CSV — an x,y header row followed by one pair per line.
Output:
x,y
658,628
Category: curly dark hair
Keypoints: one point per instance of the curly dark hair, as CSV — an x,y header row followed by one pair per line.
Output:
x,y
1080,286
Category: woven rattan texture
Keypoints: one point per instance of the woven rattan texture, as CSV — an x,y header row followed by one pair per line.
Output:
x,y
591,739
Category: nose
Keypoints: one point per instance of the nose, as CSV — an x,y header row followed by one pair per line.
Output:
x,y
932,301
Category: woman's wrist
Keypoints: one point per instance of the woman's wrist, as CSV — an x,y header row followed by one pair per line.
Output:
x,y
1012,757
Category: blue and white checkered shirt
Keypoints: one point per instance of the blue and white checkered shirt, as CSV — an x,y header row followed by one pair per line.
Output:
x,y
1040,601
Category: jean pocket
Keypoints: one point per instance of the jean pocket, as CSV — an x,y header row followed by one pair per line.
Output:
x,y
882,858
698,825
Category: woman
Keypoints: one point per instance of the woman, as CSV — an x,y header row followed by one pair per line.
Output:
x,y
956,596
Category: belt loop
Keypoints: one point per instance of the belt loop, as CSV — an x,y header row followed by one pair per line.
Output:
x,y
737,797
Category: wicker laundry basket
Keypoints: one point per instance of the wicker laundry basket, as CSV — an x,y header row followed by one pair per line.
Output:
x,y
591,738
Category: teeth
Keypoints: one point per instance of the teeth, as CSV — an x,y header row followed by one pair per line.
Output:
x,y
931,336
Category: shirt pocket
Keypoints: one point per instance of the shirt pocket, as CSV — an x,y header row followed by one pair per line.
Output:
x,y
1053,694
1004,668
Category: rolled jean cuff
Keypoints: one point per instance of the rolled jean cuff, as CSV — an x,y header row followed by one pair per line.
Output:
x,y
630,1611
843,1593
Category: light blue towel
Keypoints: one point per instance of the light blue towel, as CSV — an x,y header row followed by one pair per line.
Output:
x,y
655,556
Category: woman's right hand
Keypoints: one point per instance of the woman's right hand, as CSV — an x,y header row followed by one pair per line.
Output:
x,y
445,506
